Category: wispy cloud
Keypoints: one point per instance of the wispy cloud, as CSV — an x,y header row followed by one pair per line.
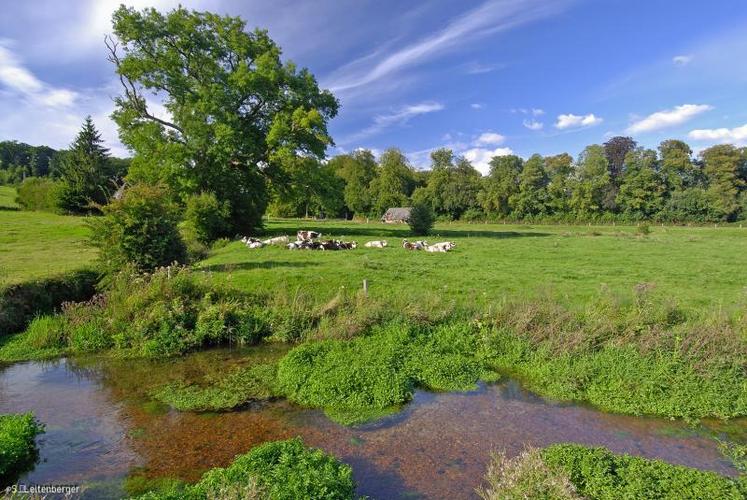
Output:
x,y
737,135
533,124
682,60
491,138
577,121
395,118
475,68
15,77
476,105
668,118
491,17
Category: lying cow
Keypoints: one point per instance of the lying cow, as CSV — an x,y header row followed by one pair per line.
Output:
x,y
376,244
445,245
252,242
276,240
414,245
308,235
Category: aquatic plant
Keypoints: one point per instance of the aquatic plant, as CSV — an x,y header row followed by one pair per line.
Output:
x,y
18,451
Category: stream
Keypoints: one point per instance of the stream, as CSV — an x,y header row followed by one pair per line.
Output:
x,y
101,426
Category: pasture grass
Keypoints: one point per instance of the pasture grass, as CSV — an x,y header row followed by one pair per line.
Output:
x,y
696,266
8,198
40,244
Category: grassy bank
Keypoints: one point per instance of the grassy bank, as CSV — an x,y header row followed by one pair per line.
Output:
x,y
18,451
280,470
39,245
568,471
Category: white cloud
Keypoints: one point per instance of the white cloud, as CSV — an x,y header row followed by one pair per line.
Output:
x,y
480,157
475,68
399,117
668,118
737,135
21,82
476,105
682,60
533,124
575,121
538,112
489,138
489,18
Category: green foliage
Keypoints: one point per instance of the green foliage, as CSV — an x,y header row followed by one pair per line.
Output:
x,y
501,184
598,473
207,218
693,204
239,115
353,380
140,229
19,303
234,390
531,196
85,184
277,470
357,170
722,166
421,220
395,182
18,452
37,193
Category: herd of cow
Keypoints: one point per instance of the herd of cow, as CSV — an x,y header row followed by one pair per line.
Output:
x,y
311,240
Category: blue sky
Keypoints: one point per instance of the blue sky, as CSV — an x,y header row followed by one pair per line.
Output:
x,y
482,77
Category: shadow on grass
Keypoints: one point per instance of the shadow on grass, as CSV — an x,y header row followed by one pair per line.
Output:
x,y
248,266
402,232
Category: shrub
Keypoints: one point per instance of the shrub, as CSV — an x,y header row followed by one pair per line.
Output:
x,y
599,473
525,476
38,193
278,470
206,218
421,219
18,451
140,229
473,215
19,303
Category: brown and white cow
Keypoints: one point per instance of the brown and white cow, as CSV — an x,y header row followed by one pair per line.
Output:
x,y
306,235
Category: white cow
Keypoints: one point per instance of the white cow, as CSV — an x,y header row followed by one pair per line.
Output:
x,y
276,240
445,245
376,244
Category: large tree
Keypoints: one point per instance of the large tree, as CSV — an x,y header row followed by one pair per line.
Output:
x,y
395,182
591,184
531,198
676,165
723,165
641,194
357,170
501,183
233,115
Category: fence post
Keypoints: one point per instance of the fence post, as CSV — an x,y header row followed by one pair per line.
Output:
x,y
365,288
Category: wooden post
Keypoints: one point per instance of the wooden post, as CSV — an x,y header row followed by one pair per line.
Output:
x,y
365,288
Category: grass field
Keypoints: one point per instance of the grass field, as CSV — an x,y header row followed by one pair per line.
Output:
x,y
39,244
7,197
696,267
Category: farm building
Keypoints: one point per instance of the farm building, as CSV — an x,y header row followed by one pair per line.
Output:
x,y
397,214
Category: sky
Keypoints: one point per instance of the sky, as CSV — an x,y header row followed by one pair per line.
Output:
x,y
483,78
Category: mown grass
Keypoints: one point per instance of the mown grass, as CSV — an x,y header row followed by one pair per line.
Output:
x,y
699,267
8,197
569,471
40,244
277,470
18,451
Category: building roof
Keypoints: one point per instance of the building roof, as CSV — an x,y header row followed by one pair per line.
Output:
x,y
397,213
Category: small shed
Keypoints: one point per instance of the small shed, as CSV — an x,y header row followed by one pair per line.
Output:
x,y
397,214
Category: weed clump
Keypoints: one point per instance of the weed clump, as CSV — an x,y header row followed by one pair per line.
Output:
x,y
18,452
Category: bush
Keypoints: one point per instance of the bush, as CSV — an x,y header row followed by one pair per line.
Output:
x,y
279,470
18,451
207,218
421,219
21,302
140,229
599,473
38,193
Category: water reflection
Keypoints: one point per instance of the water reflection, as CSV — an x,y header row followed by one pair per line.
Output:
x,y
101,425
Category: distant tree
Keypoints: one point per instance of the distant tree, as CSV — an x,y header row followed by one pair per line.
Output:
x,y
501,183
722,167
615,150
559,169
452,185
357,170
677,168
313,188
591,184
235,115
530,199
641,194
395,182
421,219
84,184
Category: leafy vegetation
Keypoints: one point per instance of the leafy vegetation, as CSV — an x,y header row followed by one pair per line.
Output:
x,y
18,450
38,193
276,470
421,220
